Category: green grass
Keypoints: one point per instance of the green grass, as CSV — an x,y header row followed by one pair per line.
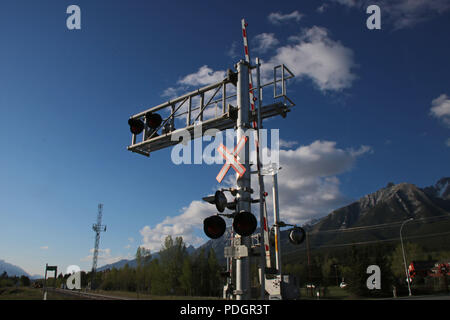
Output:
x,y
333,293
27,293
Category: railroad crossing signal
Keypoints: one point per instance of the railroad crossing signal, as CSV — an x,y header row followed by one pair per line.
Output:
x,y
195,108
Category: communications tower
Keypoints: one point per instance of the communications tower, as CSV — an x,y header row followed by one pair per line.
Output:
x,y
97,228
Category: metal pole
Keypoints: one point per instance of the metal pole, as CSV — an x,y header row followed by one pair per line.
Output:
x,y
309,261
404,257
335,271
243,183
261,187
276,217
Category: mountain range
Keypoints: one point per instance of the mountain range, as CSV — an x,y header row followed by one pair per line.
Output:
x,y
13,270
386,209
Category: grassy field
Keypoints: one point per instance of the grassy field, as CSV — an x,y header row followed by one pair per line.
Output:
x,y
26,293
333,293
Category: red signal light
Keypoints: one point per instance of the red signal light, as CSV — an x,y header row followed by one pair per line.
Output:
x,y
153,120
244,224
136,126
214,227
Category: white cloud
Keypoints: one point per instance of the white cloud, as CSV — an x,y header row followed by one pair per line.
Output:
x,y
316,56
204,76
278,17
186,225
322,8
104,257
264,42
172,92
308,183
311,54
44,248
233,51
440,108
403,13
287,144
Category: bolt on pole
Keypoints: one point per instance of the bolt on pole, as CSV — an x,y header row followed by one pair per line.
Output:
x,y
243,183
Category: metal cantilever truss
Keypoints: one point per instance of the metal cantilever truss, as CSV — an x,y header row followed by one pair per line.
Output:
x,y
225,118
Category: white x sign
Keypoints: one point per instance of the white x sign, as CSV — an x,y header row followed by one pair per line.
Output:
x,y
231,159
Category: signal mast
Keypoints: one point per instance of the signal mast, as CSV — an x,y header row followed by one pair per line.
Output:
x,y
158,133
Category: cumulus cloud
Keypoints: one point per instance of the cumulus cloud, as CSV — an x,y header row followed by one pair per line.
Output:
x,y
278,17
104,257
403,13
308,181
171,92
322,8
316,56
440,108
186,225
312,54
204,76
287,144
264,42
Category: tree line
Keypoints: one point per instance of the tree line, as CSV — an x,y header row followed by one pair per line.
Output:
x,y
11,281
174,272
349,265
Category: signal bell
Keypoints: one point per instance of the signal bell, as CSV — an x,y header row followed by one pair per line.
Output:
x,y
214,227
244,223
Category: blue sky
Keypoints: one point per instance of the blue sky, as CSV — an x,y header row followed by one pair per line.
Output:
x,y
372,106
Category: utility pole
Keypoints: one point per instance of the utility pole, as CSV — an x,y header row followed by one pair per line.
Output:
x,y
97,228
408,278
309,261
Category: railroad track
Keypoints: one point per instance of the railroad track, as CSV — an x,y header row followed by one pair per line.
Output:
x,y
86,295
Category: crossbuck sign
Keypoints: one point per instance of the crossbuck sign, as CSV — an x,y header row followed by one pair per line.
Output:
x,y
231,159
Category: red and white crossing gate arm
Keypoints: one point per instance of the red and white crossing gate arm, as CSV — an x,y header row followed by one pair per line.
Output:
x,y
247,58
255,126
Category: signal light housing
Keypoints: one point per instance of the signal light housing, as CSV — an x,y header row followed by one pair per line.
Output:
x,y
136,126
244,223
214,227
153,120
297,235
